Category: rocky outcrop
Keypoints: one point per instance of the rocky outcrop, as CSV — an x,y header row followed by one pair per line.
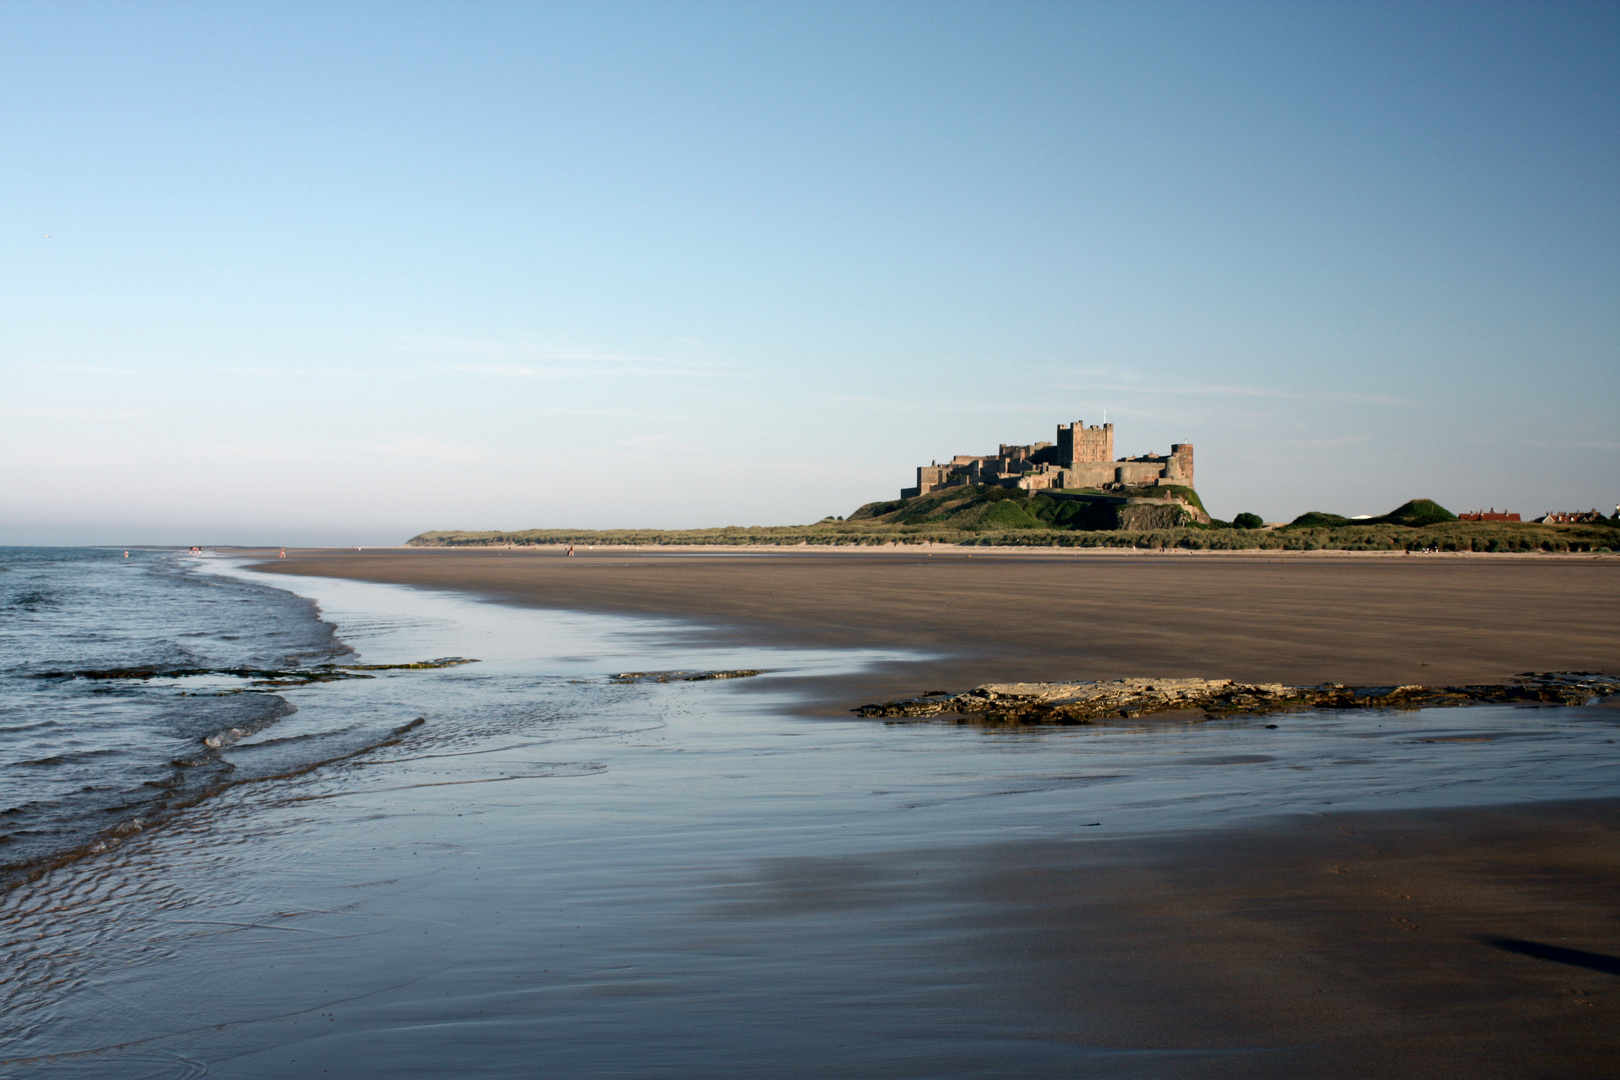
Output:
x,y
266,680
1147,514
1082,702
682,676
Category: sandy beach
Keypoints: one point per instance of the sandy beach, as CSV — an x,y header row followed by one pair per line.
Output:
x,y
1010,616
526,864
1477,942
1415,942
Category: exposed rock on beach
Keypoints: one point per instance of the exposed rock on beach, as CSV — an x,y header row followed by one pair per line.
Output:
x,y
1083,702
682,676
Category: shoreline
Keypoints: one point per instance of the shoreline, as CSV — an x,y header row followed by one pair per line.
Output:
x,y
1420,942
1016,615
894,547
682,879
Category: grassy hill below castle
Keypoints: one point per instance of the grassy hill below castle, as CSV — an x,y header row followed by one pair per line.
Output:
x,y
1001,517
977,507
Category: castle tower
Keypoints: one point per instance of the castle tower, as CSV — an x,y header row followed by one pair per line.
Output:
x,y
1180,468
1078,444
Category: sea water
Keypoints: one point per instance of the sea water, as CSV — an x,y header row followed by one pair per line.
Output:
x,y
89,758
559,873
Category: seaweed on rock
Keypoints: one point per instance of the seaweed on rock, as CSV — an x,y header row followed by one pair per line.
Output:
x,y
1083,702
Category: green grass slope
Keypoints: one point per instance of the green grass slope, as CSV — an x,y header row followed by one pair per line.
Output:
x,y
1416,513
980,507
1413,514
1317,519
999,517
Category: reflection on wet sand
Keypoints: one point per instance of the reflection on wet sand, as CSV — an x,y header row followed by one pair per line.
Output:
x,y
564,874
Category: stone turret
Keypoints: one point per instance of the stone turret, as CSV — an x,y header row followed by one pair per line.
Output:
x,y
1180,467
1078,444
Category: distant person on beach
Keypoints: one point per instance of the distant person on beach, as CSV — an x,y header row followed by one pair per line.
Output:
x,y
126,554
283,553
570,551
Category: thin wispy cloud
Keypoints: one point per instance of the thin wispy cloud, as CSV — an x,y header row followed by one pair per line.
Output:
x,y
1326,443
657,440
1243,391
252,452
564,370
284,372
624,414
526,359
87,369
436,450
934,407
1575,444
210,370
96,456
79,414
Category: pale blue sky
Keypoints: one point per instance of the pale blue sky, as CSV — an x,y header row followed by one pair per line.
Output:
x,y
340,273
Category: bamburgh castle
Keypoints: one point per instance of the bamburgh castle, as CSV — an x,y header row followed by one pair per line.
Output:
x,y
1082,457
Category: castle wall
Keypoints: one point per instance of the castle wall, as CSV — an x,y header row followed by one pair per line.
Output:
x,y
1082,457
1087,475
1138,472
929,478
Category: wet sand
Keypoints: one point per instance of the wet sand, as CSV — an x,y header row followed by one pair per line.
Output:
x,y
1474,942
1417,943
1036,616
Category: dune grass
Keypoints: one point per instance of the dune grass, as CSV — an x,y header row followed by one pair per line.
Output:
x,y
1412,514
983,519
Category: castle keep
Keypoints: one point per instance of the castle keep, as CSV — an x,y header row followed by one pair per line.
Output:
x,y
1082,457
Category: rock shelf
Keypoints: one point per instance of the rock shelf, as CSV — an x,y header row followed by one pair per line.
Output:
x,y
1083,702
682,676
261,680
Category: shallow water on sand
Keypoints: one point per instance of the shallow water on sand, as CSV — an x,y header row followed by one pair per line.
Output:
x,y
80,757
559,874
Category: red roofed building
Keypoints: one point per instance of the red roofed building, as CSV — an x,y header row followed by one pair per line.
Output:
x,y
1588,517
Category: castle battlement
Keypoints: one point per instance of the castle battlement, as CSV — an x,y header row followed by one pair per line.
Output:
x,y
1082,457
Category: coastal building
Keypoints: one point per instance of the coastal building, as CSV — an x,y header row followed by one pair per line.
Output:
x,y
1082,457
1488,515
1578,517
